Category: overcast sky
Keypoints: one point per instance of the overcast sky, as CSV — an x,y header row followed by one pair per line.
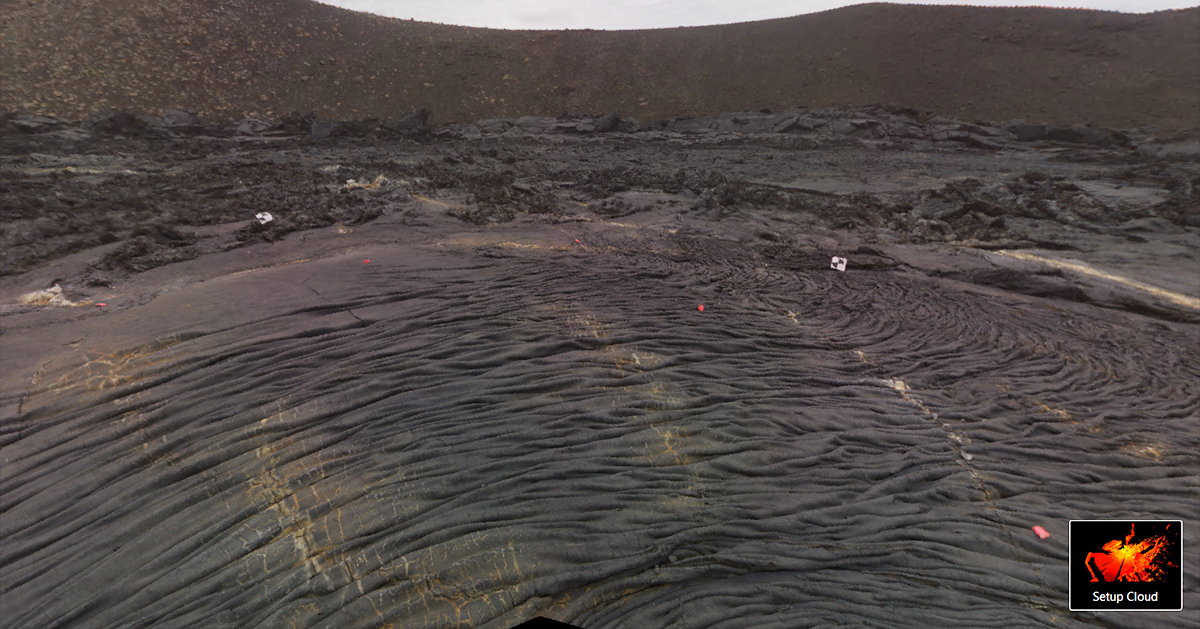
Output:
x,y
624,14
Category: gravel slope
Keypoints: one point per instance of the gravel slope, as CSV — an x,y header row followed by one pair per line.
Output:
x,y
266,57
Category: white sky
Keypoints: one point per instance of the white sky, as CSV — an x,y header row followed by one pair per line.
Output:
x,y
627,14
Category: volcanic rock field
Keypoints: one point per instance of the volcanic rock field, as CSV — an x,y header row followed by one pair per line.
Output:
x,y
303,370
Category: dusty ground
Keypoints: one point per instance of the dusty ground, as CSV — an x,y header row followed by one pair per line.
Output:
x,y
462,379
262,58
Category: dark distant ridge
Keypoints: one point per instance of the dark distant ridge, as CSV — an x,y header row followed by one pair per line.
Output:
x,y
233,58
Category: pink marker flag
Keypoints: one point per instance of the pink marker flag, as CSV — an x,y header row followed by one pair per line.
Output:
x,y
1041,532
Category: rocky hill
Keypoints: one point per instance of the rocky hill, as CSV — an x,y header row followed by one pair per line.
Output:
x,y
232,58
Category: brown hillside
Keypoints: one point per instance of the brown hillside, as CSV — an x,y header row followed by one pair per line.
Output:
x,y
265,57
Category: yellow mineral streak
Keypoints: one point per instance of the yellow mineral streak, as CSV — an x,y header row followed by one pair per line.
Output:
x,y
1176,298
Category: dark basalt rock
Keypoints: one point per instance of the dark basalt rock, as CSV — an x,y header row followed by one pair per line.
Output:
x,y
117,123
413,124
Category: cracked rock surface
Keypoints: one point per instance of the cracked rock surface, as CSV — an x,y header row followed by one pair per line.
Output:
x,y
462,380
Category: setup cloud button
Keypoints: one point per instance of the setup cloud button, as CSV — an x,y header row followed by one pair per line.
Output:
x,y
1126,565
